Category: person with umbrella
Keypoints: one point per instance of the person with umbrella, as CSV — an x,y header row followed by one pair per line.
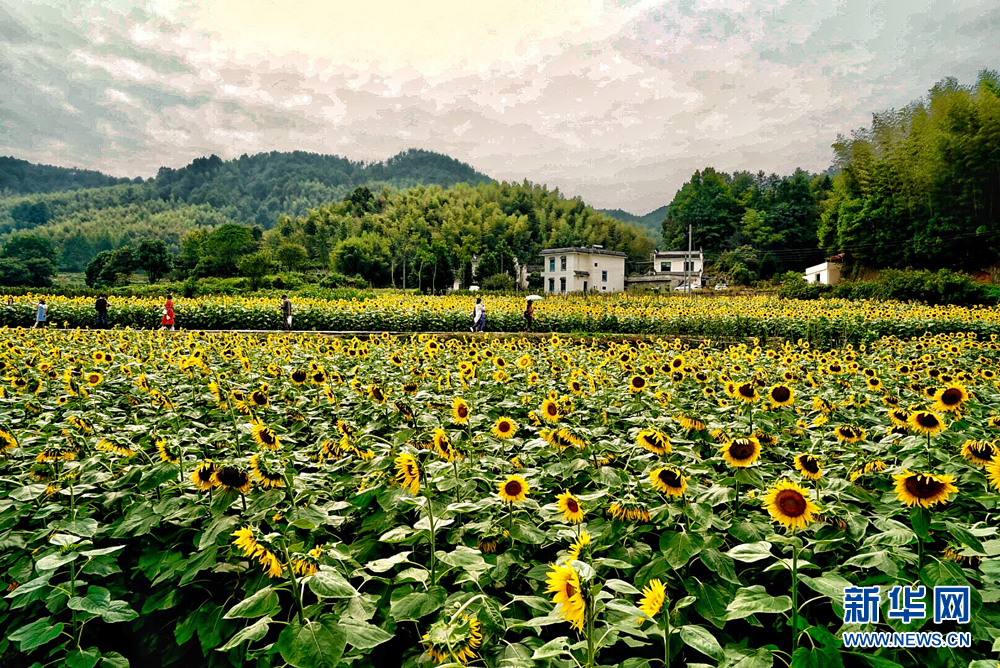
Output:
x,y
529,311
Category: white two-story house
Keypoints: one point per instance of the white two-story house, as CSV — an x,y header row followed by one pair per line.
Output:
x,y
580,269
672,269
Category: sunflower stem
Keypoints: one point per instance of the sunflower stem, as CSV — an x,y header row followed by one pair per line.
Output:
x,y
795,596
295,584
736,501
430,520
458,483
590,633
666,638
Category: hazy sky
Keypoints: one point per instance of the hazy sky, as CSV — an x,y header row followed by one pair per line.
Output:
x,y
615,101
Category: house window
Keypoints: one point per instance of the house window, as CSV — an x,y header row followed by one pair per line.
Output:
x,y
552,285
604,277
664,266
562,263
562,283
585,286
688,266
595,264
552,264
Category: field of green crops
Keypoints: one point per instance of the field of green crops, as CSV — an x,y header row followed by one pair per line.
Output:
x,y
213,499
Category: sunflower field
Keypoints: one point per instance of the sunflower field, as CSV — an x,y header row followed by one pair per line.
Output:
x,y
822,322
221,499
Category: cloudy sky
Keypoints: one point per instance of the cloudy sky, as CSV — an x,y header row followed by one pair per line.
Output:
x,y
616,101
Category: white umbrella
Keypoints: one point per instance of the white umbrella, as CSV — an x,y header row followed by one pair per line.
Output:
x,y
532,298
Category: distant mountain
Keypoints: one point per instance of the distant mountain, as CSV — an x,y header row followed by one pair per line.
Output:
x,y
652,222
20,177
85,212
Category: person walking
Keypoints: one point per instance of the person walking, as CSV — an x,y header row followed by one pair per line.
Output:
x,y
41,314
168,314
286,313
529,315
10,303
101,306
479,316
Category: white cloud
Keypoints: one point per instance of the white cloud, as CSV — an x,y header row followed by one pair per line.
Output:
x,y
618,102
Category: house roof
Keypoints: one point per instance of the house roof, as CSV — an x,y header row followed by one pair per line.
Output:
x,y
582,250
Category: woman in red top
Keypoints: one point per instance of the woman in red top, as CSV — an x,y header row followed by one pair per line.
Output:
x,y
168,314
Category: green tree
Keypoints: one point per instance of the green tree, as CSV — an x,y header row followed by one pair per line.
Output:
x,y
256,266
221,250
292,255
153,258
28,246
366,256
707,204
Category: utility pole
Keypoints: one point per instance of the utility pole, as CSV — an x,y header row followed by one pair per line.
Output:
x,y
687,261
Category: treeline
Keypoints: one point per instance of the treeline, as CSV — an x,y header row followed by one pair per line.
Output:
x,y
920,187
20,177
425,237
422,238
749,225
251,190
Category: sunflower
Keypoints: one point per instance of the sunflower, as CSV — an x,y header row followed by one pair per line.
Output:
x,y
550,410
580,543
781,395
169,452
443,446
789,504
849,433
120,449
900,417
653,440
7,441
504,428
809,466
248,542
691,424
668,480
513,490
93,378
993,474
267,475
629,509
564,585
981,453
924,489
741,452
307,564
653,596
950,399
746,392
265,436
408,472
300,376
203,475
926,422
636,384
232,478
258,398
453,639
570,507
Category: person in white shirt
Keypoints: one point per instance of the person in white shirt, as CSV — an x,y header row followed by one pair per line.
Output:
x,y
479,316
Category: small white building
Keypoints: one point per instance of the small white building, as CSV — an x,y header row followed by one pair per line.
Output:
x,y
672,269
827,273
579,269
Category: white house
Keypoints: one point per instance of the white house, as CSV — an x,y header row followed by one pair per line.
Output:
x,y
672,269
827,273
579,269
